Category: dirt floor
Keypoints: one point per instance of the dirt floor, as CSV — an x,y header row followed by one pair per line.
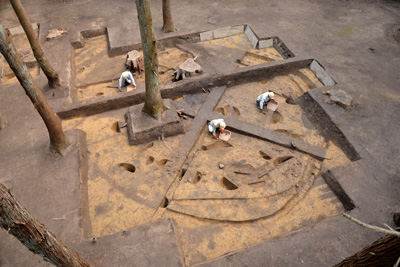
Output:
x,y
208,227
215,210
94,79
232,198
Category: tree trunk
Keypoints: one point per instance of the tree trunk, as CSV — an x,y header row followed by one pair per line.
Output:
x,y
44,64
58,140
153,104
168,23
383,252
17,221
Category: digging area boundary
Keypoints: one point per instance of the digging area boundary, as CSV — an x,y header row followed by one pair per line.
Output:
x,y
338,190
195,85
257,42
84,188
325,124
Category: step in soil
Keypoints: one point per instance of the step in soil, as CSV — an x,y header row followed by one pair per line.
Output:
x,y
239,51
262,191
21,44
97,74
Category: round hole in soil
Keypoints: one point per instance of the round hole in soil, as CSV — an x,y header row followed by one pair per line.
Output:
x,y
236,110
290,101
164,203
228,184
150,160
197,178
161,163
223,110
128,167
182,173
99,94
277,117
264,155
114,127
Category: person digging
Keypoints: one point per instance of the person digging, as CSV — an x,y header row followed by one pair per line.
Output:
x,y
263,99
126,79
215,126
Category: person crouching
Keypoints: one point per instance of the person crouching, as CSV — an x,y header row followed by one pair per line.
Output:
x,y
127,79
215,126
263,99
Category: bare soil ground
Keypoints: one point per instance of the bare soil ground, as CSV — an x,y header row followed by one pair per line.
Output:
x,y
97,74
216,210
263,191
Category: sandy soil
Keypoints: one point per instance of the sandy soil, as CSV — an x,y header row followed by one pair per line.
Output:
x,y
263,191
99,77
212,215
94,79
216,210
241,42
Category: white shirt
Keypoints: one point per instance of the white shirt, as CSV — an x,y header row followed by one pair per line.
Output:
x,y
262,99
214,124
129,79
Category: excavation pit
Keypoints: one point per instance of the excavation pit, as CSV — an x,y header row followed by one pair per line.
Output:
x,y
249,175
128,167
178,175
143,128
97,68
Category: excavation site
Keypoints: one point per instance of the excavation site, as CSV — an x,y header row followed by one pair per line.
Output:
x,y
267,187
223,195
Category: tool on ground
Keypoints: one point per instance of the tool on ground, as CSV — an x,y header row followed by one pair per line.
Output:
x,y
130,88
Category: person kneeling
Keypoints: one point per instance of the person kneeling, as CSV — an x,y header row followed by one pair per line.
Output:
x,y
215,126
263,99
127,79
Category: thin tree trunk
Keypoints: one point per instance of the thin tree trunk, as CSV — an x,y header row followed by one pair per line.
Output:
x,y
16,220
44,64
153,104
168,23
58,140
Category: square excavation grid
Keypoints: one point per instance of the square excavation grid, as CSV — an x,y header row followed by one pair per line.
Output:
x,y
97,73
263,182
222,195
